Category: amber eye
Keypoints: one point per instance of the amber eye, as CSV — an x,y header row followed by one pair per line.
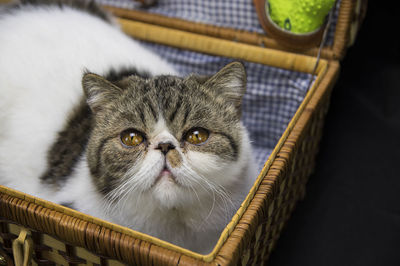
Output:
x,y
197,136
131,137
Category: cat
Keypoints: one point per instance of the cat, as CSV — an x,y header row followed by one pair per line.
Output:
x,y
91,119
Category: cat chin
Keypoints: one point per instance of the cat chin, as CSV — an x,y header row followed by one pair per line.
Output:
x,y
168,193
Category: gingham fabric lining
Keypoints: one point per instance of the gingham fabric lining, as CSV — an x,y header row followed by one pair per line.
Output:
x,y
237,14
273,95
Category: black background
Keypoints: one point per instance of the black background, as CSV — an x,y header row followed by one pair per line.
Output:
x,y
351,212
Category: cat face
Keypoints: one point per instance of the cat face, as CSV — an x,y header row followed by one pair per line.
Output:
x,y
174,140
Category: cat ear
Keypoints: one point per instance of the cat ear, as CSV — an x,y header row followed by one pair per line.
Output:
x,y
99,91
229,83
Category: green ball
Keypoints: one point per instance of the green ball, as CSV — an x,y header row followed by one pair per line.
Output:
x,y
299,16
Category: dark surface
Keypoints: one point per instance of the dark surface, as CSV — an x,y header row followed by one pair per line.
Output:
x,y
351,213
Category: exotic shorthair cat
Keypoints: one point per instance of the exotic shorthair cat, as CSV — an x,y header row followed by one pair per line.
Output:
x,y
134,143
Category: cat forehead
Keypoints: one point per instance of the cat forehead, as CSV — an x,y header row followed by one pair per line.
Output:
x,y
163,93
180,102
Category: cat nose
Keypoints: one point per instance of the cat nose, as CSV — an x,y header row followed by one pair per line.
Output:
x,y
165,147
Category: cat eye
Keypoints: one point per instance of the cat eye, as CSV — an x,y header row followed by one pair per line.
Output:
x,y
131,137
197,136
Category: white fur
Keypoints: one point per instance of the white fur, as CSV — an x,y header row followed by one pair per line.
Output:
x,y
43,52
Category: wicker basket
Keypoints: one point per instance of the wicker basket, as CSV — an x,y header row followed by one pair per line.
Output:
x,y
43,233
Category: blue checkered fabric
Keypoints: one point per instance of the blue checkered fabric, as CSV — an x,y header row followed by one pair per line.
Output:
x,y
273,94
237,14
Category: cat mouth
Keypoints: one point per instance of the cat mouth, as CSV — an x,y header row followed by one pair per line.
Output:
x,y
165,175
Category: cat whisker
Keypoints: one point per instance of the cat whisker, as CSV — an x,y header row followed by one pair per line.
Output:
x,y
215,189
223,195
210,212
190,174
191,188
118,197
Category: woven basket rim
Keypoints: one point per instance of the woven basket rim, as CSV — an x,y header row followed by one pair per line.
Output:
x,y
342,36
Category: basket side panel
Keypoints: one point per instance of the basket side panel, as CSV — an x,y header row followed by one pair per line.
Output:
x,y
256,234
290,172
58,237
